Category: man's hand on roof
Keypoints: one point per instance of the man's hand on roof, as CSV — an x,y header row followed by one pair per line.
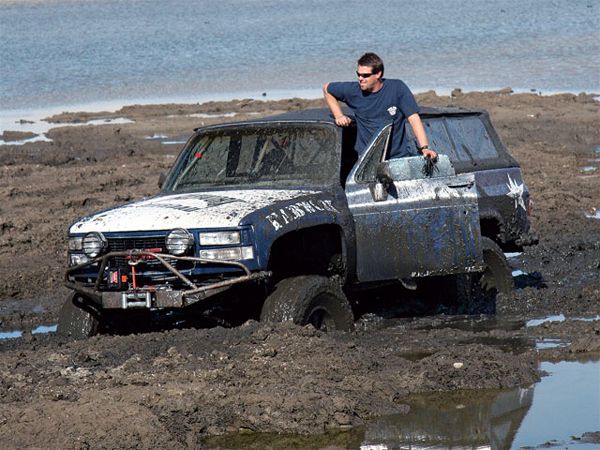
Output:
x,y
343,121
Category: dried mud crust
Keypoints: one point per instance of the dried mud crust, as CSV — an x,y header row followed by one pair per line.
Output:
x,y
169,390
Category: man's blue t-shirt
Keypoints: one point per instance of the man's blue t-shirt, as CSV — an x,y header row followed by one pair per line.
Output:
x,y
374,110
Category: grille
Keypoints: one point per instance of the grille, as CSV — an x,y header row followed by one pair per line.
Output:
x,y
136,243
140,243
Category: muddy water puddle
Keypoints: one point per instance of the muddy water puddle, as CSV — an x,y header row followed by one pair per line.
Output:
x,y
588,169
568,395
559,318
594,213
42,329
561,411
548,343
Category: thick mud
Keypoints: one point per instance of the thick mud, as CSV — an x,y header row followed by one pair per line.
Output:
x,y
175,389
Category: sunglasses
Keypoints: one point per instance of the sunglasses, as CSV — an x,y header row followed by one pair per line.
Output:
x,y
364,75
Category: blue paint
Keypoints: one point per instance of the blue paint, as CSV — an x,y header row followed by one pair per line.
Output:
x,y
200,269
266,233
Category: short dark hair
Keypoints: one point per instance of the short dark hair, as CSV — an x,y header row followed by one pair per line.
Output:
x,y
373,61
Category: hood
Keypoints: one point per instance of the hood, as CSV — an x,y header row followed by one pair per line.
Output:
x,y
215,209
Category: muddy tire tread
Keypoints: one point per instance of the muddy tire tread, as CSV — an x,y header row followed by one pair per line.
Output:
x,y
294,298
77,320
494,257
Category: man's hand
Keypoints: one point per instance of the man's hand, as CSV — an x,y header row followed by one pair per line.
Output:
x,y
343,121
429,153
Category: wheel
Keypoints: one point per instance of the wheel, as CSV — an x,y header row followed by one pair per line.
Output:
x,y
77,319
477,292
497,274
309,299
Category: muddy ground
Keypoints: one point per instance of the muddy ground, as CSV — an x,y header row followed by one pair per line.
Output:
x,y
173,389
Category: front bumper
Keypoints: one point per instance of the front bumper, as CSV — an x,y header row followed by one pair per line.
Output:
x,y
158,296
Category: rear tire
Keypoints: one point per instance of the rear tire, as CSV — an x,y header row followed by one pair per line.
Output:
x,y
477,292
497,274
77,319
309,299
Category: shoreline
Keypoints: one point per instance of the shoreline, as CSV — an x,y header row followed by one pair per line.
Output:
x,y
35,121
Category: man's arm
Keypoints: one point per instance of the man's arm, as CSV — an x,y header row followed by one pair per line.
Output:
x,y
419,132
341,119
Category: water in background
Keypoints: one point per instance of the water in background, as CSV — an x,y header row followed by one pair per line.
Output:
x,y
56,53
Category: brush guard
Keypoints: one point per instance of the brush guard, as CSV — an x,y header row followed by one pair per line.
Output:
x,y
148,297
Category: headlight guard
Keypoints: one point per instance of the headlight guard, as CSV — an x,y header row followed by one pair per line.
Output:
x,y
179,241
94,244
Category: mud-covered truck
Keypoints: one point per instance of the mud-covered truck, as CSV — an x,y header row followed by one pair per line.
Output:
x,y
278,219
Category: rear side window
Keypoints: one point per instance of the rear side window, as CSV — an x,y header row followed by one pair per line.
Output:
x,y
439,139
471,137
464,138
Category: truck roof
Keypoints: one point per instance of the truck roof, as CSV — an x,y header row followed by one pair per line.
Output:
x,y
323,115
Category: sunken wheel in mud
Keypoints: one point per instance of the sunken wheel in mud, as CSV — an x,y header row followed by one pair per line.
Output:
x,y
477,292
309,299
497,274
78,320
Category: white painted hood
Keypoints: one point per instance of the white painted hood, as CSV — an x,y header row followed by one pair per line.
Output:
x,y
191,210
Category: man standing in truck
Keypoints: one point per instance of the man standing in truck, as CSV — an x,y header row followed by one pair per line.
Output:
x,y
376,101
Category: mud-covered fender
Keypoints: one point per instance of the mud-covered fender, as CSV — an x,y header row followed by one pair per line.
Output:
x,y
503,197
285,216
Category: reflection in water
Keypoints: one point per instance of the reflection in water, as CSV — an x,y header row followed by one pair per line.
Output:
x,y
565,405
456,420
546,343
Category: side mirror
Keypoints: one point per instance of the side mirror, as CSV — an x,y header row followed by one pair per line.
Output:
x,y
383,181
383,174
378,191
161,179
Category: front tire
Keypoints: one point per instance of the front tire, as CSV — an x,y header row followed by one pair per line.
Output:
x,y
77,319
309,299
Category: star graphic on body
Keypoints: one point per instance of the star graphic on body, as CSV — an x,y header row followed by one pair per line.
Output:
x,y
515,191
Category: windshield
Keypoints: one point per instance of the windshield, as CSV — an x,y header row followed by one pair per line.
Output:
x,y
273,154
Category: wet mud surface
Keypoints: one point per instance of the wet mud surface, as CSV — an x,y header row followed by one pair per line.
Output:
x,y
177,388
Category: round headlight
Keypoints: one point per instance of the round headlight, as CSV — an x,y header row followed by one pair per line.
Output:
x,y
179,241
93,244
